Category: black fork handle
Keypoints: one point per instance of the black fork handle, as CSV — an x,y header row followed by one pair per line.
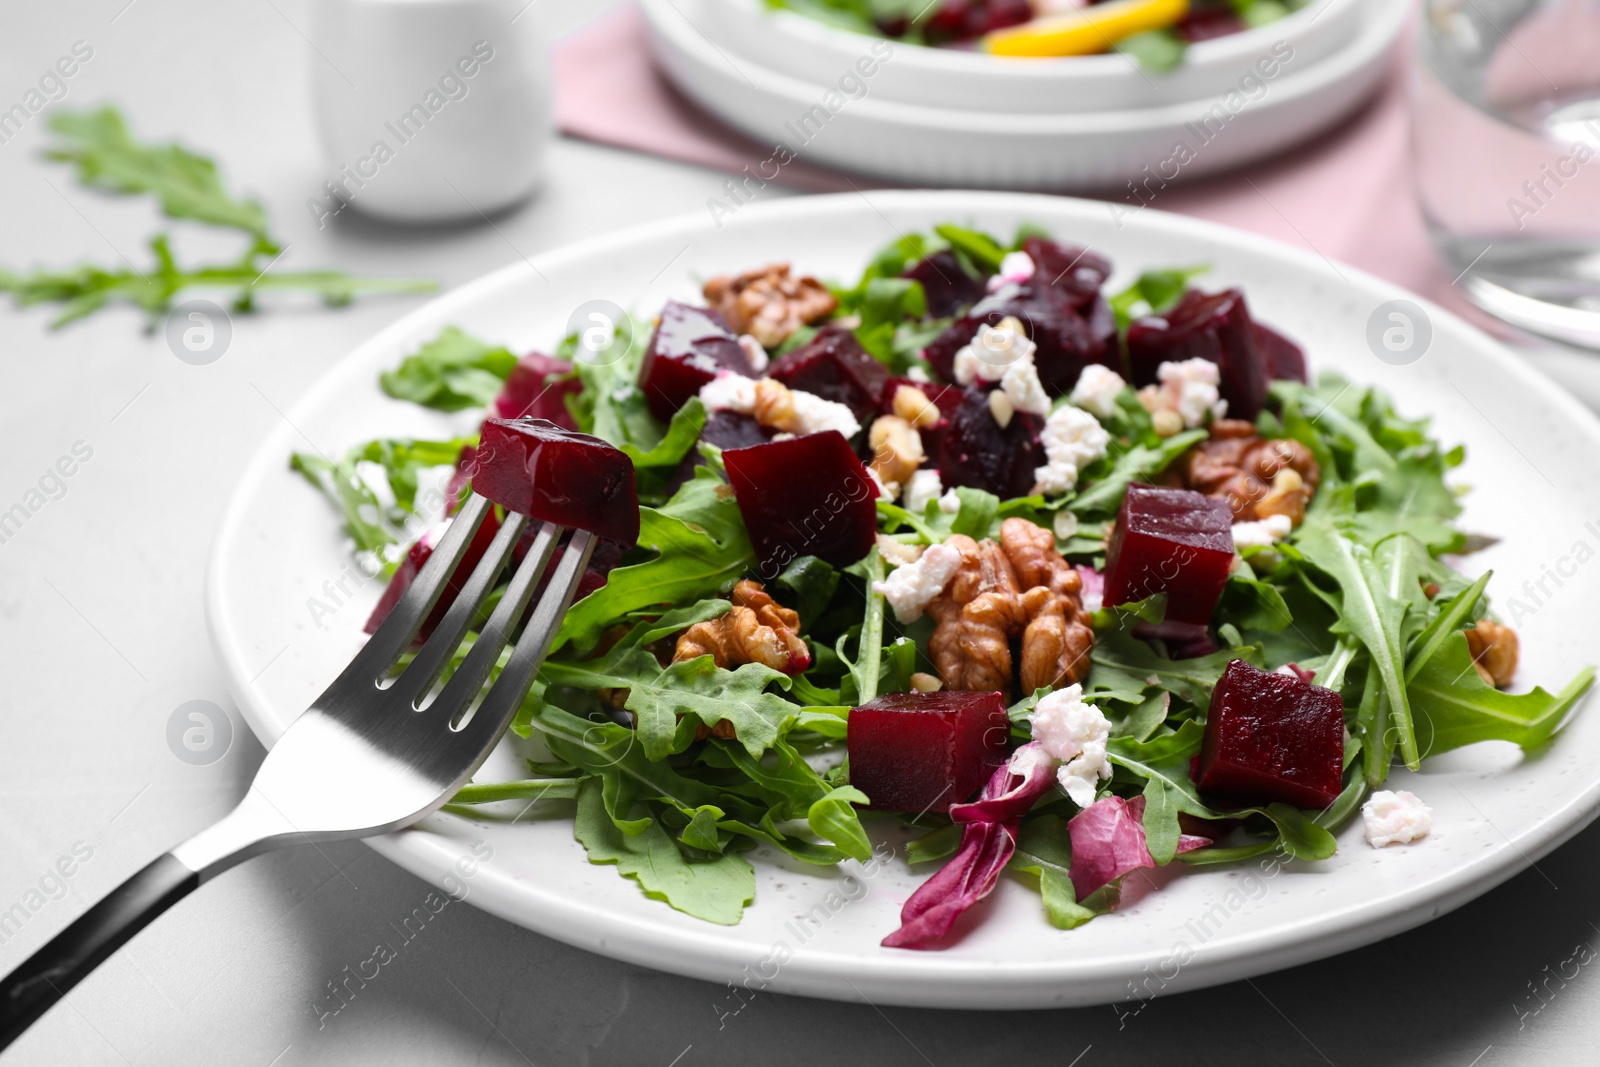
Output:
x,y
33,988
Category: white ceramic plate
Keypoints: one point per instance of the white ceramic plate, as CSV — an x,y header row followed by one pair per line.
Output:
x,y
804,48
921,145
1495,811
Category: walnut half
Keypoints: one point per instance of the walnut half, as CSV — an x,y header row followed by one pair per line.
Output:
x,y
1494,652
1019,588
769,303
1258,477
756,629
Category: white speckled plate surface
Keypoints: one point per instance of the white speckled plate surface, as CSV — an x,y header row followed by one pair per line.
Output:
x,y
812,932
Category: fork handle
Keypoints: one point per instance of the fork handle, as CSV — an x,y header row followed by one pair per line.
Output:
x,y
33,988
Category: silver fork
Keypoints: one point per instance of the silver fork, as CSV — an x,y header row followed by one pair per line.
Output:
x,y
365,758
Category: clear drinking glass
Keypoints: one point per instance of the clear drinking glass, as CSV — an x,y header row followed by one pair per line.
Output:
x,y
1505,107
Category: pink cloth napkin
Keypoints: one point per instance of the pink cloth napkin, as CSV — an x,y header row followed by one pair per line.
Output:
x,y
1346,195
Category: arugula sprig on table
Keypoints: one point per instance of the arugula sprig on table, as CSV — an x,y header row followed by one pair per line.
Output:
x,y
107,157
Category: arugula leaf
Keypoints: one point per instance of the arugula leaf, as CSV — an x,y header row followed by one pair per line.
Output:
x,y
1459,610
1155,291
886,303
187,185
1455,707
452,372
865,669
527,789
833,818
372,525
1188,679
980,247
715,888
1141,461
1157,51
1373,605
681,435
1044,849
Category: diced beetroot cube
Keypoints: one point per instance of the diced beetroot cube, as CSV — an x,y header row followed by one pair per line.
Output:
x,y
537,388
1173,541
974,451
926,751
536,468
1272,738
1075,270
1212,326
946,284
1070,332
806,496
416,557
688,347
834,366
1286,361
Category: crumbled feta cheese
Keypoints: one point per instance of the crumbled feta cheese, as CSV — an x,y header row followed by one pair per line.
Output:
x,y
923,487
1021,385
1263,533
1072,440
1015,268
1066,524
884,492
1396,818
1074,732
898,553
754,352
1097,390
729,392
950,503
812,414
1190,388
918,373
815,414
991,350
909,588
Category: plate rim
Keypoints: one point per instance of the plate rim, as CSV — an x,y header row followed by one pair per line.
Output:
x,y
1368,45
952,59
921,979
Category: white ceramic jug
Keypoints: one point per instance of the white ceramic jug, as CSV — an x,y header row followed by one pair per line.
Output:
x,y
428,110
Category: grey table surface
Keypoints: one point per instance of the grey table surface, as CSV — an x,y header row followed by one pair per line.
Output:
x,y
102,636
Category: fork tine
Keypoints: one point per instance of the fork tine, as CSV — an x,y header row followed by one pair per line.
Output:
x,y
396,633
430,661
511,688
468,679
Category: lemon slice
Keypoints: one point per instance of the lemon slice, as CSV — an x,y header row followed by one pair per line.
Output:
x,y
1084,32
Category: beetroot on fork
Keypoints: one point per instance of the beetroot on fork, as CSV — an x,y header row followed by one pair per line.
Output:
x,y
536,468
